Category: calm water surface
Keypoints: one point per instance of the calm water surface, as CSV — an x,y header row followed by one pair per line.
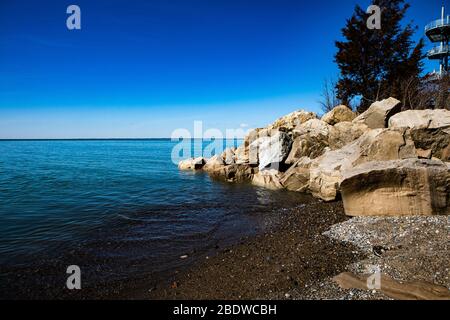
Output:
x,y
119,209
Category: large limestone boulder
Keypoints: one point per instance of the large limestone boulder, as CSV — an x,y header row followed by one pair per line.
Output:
x,y
296,178
245,154
234,172
385,144
292,120
339,114
421,119
313,127
430,131
326,172
310,140
272,150
378,114
192,164
344,133
397,187
214,163
307,146
269,179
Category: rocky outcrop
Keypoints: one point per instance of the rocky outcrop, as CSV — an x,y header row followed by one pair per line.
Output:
x,y
310,140
339,114
229,156
292,120
296,178
421,119
192,164
385,144
382,162
269,179
379,113
344,133
313,127
234,173
430,131
216,162
272,150
326,172
245,154
398,187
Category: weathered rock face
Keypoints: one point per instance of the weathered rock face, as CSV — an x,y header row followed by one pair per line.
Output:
x,y
296,178
272,150
326,172
192,164
339,114
241,154
430,131
398,187
436,142
269,179
228,156
234,173
310,140
378,114
307,146
313,127
292,120
344,133
214,163
385,144
383,171
421,119
245,154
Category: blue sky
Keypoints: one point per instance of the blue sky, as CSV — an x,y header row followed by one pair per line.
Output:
x,y
140,69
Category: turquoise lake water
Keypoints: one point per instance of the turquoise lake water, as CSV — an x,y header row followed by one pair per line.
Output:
x,y
119,209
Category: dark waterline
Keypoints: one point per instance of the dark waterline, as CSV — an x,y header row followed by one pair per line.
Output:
x,y
119,209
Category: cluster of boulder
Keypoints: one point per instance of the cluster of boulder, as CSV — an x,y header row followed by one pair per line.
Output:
x,y
382,162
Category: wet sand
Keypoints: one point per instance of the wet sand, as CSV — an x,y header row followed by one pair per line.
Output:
x,y
285,261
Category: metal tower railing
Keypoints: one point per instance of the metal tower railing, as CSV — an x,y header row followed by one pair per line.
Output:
x,y
438,23
438,31
438,52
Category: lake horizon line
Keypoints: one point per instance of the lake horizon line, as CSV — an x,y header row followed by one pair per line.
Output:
x,y
112,139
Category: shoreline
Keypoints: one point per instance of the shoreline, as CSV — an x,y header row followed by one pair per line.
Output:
x,y
311,251
282,262
300,256
391,170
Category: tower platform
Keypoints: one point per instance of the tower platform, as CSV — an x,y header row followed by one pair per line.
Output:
x,y
438,30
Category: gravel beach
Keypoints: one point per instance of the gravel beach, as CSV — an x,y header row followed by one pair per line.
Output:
x,y
284,262
298,256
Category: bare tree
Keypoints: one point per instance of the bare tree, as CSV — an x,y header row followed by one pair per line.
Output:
x,y
426,93
414,94
329,95
442,100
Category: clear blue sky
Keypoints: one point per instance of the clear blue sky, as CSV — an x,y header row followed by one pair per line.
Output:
x,y
144,68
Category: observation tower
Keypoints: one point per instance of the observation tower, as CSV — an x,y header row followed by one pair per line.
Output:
x,y
438,32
